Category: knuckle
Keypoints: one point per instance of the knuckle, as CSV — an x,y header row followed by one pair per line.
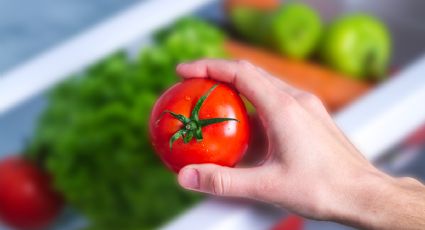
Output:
x,y
244,64
283,104
285,101
308,99
218,183
263,71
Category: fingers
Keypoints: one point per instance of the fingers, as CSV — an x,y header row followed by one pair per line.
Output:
x,y
266,92
309,101
279,83
220,181
244,76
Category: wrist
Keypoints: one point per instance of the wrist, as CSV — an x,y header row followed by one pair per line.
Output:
x,y
363,204
378,201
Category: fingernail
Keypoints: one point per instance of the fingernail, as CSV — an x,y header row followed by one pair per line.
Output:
x,y
189,178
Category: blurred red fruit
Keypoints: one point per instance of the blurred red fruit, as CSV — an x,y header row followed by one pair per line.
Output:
x,y
27,200
292,222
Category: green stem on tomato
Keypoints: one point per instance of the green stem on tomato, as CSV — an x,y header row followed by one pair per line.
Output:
x,y
192,127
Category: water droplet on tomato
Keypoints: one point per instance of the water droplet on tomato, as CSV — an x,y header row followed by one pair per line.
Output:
x,y
187,98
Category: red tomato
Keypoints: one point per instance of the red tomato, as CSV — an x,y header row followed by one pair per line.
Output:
x,y
218,133
26,199
292,222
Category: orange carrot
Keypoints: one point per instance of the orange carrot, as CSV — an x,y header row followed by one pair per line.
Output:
x,y
334,89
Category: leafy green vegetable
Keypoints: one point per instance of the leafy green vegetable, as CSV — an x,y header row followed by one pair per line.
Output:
x,y
93,135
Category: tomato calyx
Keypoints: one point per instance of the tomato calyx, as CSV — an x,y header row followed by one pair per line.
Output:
x,y
192,126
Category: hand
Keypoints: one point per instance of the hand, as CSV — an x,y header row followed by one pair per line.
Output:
x,y
312,168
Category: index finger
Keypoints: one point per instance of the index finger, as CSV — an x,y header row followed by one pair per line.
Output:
x,y
241,74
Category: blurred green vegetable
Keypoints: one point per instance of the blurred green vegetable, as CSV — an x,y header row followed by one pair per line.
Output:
x,y
250,23
293,30
358,45
93,135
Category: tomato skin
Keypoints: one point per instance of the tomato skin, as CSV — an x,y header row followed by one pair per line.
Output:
x,y
26,199
223,143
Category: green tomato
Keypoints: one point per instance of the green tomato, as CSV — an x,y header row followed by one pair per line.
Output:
x,y
295,30
357,45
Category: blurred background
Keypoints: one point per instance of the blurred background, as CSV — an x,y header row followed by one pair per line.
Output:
x,y
78,80
29,28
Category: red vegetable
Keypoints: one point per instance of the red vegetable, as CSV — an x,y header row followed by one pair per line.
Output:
x,y
291,222
199,121
27,200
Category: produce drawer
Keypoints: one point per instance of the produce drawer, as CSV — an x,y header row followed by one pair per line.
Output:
x,y
375,123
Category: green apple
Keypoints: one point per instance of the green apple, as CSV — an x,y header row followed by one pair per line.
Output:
x,y
357,45
249,23
295,30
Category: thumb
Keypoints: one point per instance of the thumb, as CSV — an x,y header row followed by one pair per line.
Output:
x,y
219,180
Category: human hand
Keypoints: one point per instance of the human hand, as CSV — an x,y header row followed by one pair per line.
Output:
x,y
311,169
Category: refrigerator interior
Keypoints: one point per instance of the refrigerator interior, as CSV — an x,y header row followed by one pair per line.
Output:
x,y
404,18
